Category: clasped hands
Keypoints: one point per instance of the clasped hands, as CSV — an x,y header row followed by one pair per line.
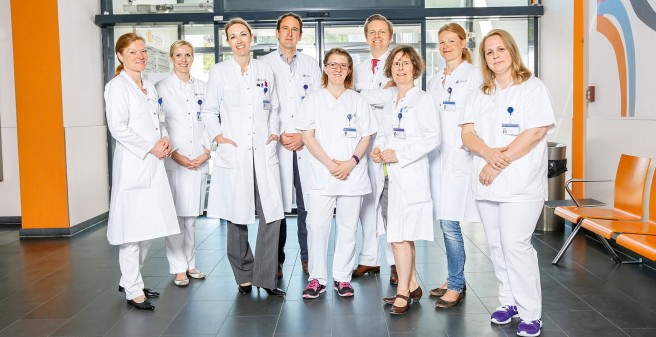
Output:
x,y
341,169
291,141
386,156
192,164
497,160
162,148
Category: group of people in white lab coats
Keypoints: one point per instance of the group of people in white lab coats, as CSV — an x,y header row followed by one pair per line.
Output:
x,y
380,151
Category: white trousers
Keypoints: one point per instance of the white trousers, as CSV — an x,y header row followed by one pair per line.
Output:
x,y
509,227
371,252
131,257
320,215
181,248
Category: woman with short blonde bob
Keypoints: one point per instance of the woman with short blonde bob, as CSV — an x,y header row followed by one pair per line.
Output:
x,y
408,132
505,128
181,99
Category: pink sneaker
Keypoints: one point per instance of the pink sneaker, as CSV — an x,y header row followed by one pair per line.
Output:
x,y
313,289
344,289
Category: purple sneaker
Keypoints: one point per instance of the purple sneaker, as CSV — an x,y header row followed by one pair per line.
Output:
x,y
529,328
344,289
504,314
313,289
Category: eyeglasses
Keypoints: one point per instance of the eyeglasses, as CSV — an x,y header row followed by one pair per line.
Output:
x,y
405,64
333,65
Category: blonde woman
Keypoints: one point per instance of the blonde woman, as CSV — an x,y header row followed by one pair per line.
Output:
x,y
181,99
450,164
505,128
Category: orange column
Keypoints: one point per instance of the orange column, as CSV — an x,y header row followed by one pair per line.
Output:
x,y
39,114
579,111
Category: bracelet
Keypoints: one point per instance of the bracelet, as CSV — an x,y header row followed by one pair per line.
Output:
x,y
357,160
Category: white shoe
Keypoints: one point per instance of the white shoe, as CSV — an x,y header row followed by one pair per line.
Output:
x,y
181,283
197,275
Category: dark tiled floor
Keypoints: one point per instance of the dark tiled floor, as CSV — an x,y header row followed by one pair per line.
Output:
x,y
67,287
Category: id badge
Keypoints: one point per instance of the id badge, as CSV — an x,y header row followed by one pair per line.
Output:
x,y
350,132
448,106
198,117
162,117
399,133
266,105
510,129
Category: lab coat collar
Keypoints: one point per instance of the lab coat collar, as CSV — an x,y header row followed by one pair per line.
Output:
x,y
382,58
178,80
135,87
409,97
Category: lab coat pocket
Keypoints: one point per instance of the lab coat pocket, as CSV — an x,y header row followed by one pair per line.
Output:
x,y
415,182
136,173
271,153
226,156
461,162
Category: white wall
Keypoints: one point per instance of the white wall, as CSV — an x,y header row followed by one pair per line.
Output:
x,y
10,187
556,67
84,118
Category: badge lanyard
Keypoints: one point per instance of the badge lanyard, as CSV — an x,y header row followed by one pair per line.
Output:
x,y
449,105
398,131
510,128
305,88
350,132
200,107
160,112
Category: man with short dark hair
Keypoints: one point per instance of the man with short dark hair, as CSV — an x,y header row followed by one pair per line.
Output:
x,y
297,75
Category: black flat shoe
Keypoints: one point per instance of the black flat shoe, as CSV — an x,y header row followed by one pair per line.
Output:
x,y
442,304
273,292
145,305
147,292
245,289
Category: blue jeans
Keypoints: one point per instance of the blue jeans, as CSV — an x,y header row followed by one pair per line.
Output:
x,y
455,254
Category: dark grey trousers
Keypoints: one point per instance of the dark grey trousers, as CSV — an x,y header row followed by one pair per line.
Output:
x,y
262,269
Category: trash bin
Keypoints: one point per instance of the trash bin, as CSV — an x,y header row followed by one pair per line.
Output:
x,y
557,166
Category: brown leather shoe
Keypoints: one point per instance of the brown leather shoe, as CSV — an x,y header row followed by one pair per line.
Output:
x,y
394,277
415,295
362,269
401,310
439,292
279,271
305,267
448,304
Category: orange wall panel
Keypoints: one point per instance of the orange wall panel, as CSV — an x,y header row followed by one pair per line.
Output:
x,y
39,114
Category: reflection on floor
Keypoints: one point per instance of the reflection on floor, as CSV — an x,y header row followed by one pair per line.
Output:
x,y
67,287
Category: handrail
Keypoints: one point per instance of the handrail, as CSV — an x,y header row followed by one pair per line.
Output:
x,y
576,180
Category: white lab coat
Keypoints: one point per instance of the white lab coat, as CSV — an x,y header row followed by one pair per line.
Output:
x,y
525,179
291,88
410,207
188,137
327,116
450,164
239,101
141,206
371,85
